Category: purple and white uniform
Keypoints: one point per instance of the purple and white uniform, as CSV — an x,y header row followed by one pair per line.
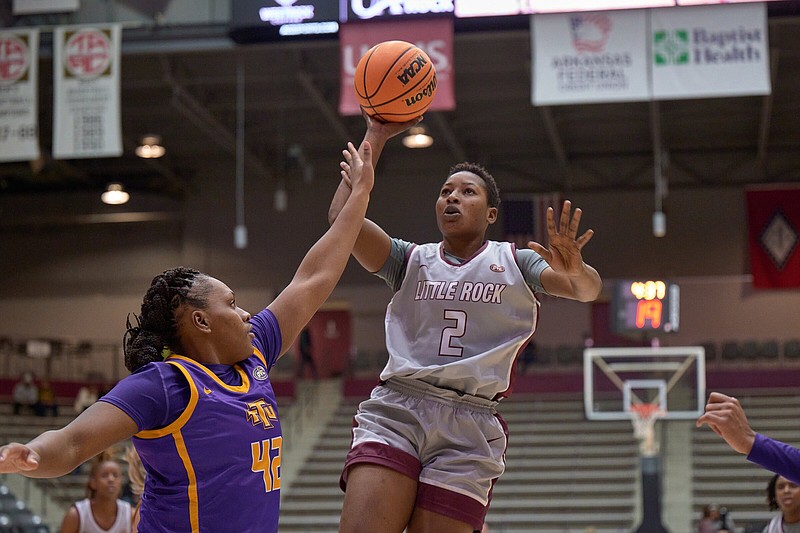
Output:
x,y
209,439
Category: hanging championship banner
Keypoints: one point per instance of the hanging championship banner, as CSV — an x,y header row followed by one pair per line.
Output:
x,y
773,227
710,51
86,107
589,57
19,81
434,36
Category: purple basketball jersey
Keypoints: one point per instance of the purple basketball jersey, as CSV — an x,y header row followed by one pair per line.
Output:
x,y
217,467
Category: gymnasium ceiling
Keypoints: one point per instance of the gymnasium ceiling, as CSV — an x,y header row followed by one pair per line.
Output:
x,y
180,82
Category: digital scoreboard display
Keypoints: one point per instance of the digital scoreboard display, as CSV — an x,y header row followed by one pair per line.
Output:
x,y
256,20
651,305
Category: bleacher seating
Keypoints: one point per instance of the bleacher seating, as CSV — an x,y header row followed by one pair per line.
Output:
x,y
563,473
15,517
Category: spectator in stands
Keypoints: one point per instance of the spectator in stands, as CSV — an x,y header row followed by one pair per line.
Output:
x,y
87,395
784,495
724,415
26,394
47,399
527,358
136,480
428,444
102,511
199,405
716,519
305,357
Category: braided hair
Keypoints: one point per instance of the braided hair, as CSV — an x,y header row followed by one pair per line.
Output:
x,y
492,190
156,329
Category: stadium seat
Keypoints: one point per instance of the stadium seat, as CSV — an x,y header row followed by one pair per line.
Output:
x,y
791,349
769,350
730,351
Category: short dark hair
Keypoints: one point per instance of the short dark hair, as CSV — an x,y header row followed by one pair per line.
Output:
x,y
156,327
492,190
772,501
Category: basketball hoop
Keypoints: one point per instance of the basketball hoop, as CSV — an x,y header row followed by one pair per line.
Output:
x,y
643,418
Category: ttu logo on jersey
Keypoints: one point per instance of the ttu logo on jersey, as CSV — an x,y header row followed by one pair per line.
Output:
x,y
259,373
261,412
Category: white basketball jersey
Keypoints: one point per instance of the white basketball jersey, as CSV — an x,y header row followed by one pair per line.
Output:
x,y
460,326
89,525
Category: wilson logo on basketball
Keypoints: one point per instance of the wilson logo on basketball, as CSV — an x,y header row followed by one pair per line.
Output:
x,y
426,92
408,73
497,268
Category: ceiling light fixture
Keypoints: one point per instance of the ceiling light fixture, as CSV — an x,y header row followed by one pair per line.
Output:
x,y
115,194
150,147
417,138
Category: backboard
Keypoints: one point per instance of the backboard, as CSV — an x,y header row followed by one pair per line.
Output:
x,y
673,378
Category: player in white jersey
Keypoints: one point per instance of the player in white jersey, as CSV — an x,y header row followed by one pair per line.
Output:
x,y
429,445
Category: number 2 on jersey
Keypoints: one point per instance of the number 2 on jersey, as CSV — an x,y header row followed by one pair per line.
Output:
x,y
448,333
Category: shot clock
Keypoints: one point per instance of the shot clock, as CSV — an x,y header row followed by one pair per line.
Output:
x,y
646,305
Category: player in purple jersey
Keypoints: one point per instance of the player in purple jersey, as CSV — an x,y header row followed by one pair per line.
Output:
x,y
724,415
198,405
428,444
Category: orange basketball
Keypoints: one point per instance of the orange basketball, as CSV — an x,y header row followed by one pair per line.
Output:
x,y
395,81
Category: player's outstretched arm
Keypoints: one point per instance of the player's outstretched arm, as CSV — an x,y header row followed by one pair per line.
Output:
x,y
373,244
568,276
56,453
724,415
324,263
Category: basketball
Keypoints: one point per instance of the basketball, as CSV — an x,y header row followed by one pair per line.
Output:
x,y
395,81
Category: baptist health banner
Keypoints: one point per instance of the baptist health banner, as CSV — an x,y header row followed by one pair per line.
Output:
x,y
19,85
652,54
710,51
590,57
86,107
434,36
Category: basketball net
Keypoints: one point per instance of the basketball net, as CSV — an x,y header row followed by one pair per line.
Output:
x,y
643,417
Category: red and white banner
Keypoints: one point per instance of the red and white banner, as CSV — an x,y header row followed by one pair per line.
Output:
x,y
19,86
434,36
86,99
773,224
590,57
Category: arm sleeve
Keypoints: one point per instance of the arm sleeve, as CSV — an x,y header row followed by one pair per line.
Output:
x,y
532,265
154,396
776,457
394,269
268,335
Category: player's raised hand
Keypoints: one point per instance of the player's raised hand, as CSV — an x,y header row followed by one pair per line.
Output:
x,y
387,130
724,415
15,457
357,169
563,253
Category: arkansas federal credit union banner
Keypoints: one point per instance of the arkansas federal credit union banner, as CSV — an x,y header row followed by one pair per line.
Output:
x,y
590,57
86,100
434,36
710,51
19,85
